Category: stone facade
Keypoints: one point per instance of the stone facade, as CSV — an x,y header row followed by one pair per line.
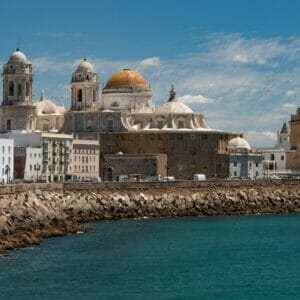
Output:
x,y
134,166
188,152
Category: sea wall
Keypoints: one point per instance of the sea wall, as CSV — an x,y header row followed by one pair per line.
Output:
x,y
29,213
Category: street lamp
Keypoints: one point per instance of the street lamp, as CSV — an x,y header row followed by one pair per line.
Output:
x,y
7,172
37,168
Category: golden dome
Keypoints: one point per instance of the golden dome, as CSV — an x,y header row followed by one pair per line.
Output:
x,y
126,77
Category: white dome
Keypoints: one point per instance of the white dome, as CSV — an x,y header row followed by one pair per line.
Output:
x,y
239,143
18,56
173,107
85,66
48,107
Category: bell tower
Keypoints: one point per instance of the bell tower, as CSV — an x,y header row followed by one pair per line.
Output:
x,y
17,80
85,88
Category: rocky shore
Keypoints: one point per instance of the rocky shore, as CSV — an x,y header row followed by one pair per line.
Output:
x,y
29,216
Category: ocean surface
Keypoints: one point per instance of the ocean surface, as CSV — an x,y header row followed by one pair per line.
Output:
x,y
246,257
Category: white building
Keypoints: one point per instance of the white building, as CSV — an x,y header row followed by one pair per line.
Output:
x,y
274,159
33,163
6,160
244,162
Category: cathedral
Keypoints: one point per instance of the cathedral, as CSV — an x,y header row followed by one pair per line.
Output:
x,y
126,105
122,117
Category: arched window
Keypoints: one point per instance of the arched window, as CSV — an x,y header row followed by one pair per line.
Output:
x,y
94,95
115,104
46,125
79,95
19,89
27,89
11,87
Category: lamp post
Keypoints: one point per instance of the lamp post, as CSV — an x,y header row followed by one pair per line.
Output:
x,y
37,167
7,171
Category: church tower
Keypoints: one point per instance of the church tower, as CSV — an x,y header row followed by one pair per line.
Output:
x,y
85,88
17,110
283,138
17,80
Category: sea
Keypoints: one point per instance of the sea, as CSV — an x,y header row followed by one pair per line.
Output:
x,y
232,257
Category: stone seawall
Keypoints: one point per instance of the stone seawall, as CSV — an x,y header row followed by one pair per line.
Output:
x,y
29,213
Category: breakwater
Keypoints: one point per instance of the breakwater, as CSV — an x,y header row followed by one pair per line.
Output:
x,y
31,212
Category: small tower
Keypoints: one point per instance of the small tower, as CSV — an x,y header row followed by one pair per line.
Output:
x,y
17,80
283,138
85,88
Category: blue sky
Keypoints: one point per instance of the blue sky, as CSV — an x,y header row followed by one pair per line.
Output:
x,y
238,62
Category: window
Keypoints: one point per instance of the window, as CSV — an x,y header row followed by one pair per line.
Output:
x,y
11,88
250,165
8,149
9,160
234,164
8,124
27,89
115,104
256,164
160,124
235,173
180,124
87,159
79,95
256,174
3,149
282,157
272,157
19,89
94,95
30,167
110,125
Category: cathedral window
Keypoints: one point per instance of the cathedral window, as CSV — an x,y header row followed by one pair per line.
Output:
x,y
79,95
180,124
115,104
8,124
19,89
94,96
160,124
110,125
11,88
27,89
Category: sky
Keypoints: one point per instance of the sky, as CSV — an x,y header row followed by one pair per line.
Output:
x,y
237,62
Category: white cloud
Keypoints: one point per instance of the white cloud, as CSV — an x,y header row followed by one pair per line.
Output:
x,y
150,62
290,93
199,99
289,105
261,139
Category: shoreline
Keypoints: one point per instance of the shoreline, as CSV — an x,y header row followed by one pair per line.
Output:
x,y
29,216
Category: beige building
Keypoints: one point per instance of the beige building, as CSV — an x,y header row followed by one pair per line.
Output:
x,y
85,159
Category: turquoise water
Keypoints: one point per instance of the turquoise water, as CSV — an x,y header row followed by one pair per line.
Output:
x,y
249,257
